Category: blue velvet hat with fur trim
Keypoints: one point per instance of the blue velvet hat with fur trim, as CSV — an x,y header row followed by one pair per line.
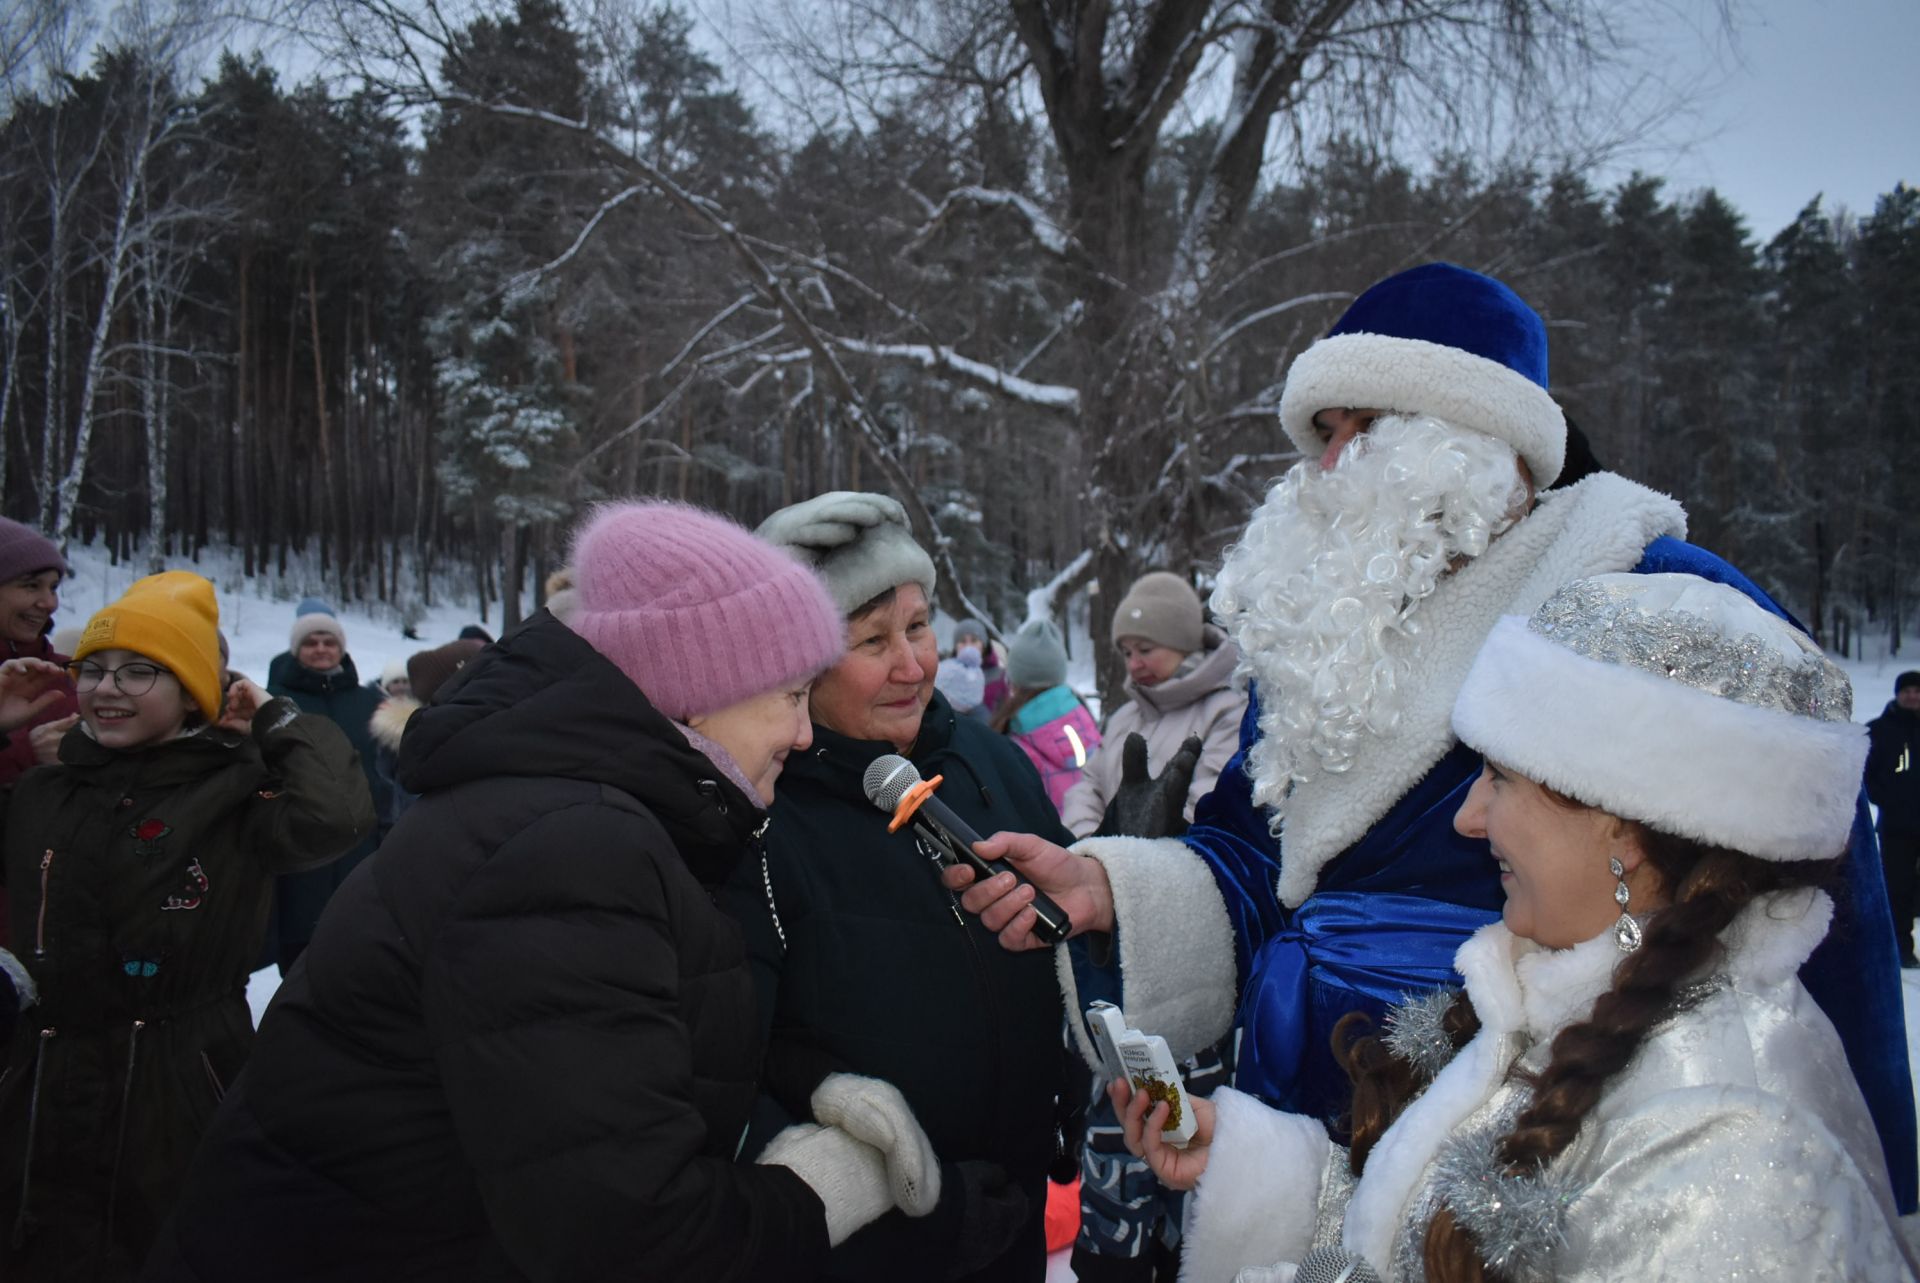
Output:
x,y
1437,340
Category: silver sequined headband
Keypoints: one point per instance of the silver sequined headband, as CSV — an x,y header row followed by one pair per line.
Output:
x,y
1603,622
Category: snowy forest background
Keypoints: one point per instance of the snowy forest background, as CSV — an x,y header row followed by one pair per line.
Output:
x,y
1037,267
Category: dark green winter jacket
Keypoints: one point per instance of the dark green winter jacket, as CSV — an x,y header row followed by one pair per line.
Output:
x,y
139,885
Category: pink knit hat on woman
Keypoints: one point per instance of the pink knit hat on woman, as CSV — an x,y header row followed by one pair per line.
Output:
x,y
697,611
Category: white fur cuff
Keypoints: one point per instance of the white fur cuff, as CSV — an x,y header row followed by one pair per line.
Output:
x,y
1177,967
1260,1196
1772,784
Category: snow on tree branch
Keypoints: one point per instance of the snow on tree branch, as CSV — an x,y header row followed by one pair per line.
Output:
x,y
1043,602
700,335
1043,396
525,281
1049,235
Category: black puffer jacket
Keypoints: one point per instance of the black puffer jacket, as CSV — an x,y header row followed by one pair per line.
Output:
x,y
882,973
1893,769
523,1043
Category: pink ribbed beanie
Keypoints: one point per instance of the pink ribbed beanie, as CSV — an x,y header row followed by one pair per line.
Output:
x,y
697,611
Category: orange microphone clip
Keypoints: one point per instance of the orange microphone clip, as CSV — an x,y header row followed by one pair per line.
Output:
x,y
911,802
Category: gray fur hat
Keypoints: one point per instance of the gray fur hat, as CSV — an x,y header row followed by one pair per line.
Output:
x,y
1037,657
860,544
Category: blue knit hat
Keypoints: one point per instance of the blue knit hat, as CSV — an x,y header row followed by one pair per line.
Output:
x,y
1437,340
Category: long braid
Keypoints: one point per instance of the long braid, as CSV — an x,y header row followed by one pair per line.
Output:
x,y
1713,885
1679,942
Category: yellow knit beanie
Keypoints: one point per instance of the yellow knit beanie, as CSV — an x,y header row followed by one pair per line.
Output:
x,y
171,619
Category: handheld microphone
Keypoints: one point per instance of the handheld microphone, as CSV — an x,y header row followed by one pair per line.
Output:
x,y
893,784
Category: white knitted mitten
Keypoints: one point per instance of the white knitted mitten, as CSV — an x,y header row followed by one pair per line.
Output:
x,y
876,1112
849,1175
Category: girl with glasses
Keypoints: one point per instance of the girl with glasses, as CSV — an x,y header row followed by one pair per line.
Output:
x,y
140,869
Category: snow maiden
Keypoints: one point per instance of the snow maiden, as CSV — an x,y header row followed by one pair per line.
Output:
x,y
1633,1082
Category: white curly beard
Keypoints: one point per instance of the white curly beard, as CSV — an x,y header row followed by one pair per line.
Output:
x,y
1322,593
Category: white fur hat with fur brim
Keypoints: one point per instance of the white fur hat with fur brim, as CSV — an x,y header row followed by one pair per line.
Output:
x,y
1437,340
1679,703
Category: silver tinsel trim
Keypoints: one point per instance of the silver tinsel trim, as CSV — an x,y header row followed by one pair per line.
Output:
x,y
1414,1033
1517,1222
1602,622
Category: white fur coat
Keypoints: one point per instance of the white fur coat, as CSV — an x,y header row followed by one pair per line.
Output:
x,y
1735,1145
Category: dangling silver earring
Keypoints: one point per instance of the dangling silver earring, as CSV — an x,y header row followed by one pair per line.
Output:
x,y
1626,932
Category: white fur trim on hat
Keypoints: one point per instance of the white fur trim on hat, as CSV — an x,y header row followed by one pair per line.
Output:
x,y
317,622
1413,376
1769,783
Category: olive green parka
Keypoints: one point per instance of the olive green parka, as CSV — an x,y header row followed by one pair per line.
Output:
x,y
139,884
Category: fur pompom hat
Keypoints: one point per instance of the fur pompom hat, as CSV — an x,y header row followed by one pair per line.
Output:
x,y
1437,340
1679,703
697,611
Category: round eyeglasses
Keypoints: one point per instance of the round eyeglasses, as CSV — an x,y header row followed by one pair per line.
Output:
x,y
136,678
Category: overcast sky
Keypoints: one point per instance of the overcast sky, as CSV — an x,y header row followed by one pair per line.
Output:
x,y
1812,96
1801,97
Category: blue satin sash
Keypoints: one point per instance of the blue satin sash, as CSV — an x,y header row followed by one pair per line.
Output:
x,y
1386,920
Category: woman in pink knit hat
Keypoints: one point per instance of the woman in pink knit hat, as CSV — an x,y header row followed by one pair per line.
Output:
x,y
524,1040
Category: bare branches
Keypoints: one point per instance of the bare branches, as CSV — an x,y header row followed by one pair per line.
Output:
x,y
699,336
1278,309
525,281
1046,233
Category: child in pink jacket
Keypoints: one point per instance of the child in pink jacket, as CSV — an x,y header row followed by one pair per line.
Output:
x,y
1042,714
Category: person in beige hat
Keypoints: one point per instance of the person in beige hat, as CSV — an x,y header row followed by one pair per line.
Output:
x,y
1180,682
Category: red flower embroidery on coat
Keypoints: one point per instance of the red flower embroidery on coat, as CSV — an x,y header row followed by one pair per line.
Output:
x,y
147,835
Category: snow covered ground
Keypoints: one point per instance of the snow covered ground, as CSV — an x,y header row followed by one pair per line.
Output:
x,y
257,613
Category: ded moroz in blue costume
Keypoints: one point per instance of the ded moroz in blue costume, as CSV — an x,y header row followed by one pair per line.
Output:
x,y
1323,875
